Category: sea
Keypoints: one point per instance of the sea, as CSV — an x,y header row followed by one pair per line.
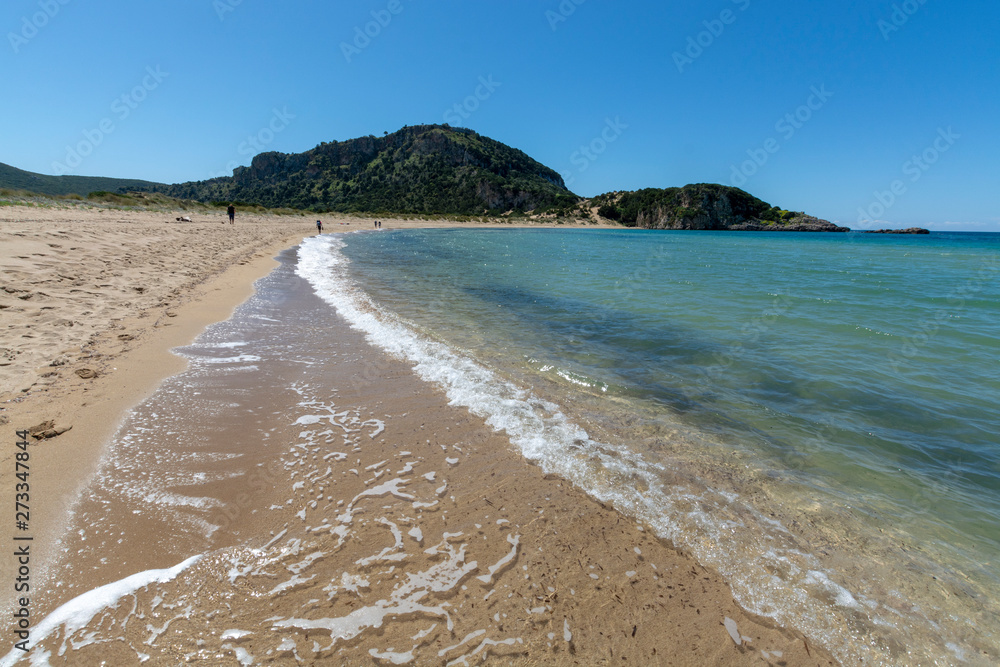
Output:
x,y
813,415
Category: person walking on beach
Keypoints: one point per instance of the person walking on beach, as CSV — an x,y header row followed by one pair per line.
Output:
x,y
319,226
232,213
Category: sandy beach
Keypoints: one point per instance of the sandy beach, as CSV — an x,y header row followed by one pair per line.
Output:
x,y
92,302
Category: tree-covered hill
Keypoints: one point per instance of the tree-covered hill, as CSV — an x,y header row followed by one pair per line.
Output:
x,y
419,169
13,178
438,169
703,206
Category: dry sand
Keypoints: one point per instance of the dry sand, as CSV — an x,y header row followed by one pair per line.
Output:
x,y
93,300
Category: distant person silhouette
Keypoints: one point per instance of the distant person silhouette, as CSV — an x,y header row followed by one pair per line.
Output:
x,y
319,226
232,213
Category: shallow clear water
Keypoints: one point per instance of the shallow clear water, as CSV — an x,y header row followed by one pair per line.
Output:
x,y
813,415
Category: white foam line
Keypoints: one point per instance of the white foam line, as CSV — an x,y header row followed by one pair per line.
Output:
x,y
226,360
387,554
379,427
468,638
464,660
79,611
291,583
534,425
395,657
404,601
177,500
391,487
275,539
514,541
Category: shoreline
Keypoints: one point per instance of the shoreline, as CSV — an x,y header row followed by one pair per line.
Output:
x,y
129,369
97,407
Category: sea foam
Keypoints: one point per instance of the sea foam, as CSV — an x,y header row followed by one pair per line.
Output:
x,y
79,611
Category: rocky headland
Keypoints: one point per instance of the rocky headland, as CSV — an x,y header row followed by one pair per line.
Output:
x,y
704,206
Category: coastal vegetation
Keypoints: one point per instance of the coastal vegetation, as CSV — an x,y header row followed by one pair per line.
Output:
x,y
428,171
706,206
12,178
130,201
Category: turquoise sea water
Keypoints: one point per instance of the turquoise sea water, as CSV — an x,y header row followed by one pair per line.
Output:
x,y
813,415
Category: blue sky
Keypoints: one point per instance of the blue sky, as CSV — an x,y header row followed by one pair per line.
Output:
x,y
878,113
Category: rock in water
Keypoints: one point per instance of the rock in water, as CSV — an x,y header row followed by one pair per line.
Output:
x,y
908,230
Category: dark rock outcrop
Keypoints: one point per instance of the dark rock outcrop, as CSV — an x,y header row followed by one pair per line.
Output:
x,y
798,223
908,230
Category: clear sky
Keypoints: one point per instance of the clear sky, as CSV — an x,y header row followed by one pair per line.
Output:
x,y
883,112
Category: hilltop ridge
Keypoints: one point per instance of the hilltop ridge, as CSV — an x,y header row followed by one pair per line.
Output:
x,y
418,169
18,179
440,170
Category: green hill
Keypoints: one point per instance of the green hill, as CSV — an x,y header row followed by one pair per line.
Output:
x,y
438,169
419,169
705,206
13,178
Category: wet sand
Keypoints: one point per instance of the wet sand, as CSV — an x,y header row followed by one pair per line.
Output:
x,y
352,493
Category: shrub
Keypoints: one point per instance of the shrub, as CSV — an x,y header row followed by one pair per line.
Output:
x,y
609,211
